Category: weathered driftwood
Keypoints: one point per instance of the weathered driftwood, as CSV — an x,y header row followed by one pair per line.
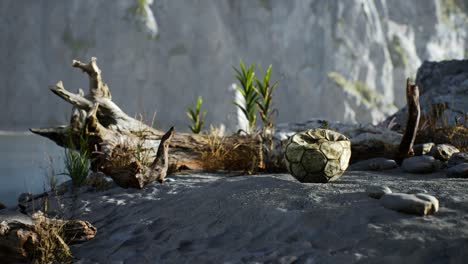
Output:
x,y
23,238
118,141
111,134
414,112
125,176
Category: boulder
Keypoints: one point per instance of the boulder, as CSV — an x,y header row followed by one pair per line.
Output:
x,y
458,171
417,204
419,164
377,192
2,206
443,99
375,164
443,151
457,158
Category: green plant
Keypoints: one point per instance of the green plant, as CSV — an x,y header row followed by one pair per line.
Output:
x,y
265,92
195,116
247,90
77,161
50,174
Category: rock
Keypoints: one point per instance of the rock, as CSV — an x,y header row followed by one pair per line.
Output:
x,y
443,96
383,141
2,206
377,192
418,204
419,164
423,149
458,171
375,164
317,155
457,158
434,202
443,151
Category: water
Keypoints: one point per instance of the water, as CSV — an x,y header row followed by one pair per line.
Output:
x,y
24,162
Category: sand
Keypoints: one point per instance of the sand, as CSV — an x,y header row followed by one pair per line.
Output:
x,y
212,218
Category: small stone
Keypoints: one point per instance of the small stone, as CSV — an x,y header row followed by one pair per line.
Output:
x,y
417,204
458,158
423,149
2,206
443,151
419,164
458,171
375,164
377,192
429,198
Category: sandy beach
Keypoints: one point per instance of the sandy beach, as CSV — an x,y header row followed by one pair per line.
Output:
x,y
215,218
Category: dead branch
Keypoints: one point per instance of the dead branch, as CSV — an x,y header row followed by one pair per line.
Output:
x,y
414,112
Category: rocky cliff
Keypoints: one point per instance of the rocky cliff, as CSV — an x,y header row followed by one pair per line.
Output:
x,y
341,60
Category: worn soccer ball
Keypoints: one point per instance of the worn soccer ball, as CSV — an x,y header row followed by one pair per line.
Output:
x,y
317,155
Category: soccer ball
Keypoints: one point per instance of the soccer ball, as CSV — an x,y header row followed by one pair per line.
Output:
x,y
317,155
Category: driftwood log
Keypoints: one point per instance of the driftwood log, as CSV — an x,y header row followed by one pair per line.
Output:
x,y
125,148
24,239
414,113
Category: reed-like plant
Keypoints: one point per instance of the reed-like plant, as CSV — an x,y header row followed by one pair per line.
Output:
x,y
246,78
77,161
265,92
196,116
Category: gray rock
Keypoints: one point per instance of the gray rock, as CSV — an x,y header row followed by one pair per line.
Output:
x,y
458,171
375,164
444,86
418,204
457,158
419,164
423,149
443,151
434,202
377,192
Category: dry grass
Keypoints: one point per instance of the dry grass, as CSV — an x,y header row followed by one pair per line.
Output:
x,y
223,153
50,247
435,127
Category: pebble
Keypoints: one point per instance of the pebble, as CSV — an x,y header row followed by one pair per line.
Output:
x,y
419,164
377,192
458,158
443,151
417,204
423,149
458,171
375,164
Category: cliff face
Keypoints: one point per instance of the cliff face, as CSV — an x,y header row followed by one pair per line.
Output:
x,y
341,60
